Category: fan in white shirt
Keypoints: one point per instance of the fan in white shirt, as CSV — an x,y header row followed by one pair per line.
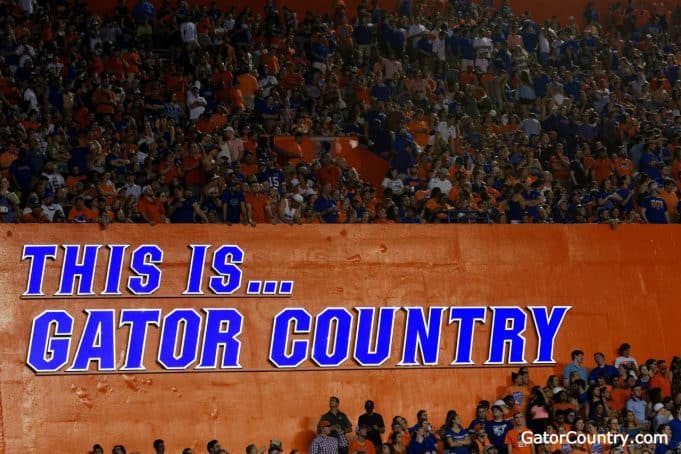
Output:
x,y
196,103
188,33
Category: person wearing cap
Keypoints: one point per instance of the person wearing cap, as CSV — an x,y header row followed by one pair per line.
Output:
x,y
660,416
324,442
340,424
290,209
498,427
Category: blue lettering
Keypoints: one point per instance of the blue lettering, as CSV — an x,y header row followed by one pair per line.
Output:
x,y
467,318
195,276
422,336
184,324
84,270
215,337
139,321
38,253
148,279
302,322
50,353
368,353
336,340
229,279
547,328
115,269
98,342
503,334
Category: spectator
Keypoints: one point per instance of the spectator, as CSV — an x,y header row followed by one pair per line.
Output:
x,y
374,422
575,366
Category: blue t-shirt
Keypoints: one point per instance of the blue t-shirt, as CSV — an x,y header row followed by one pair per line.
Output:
x,y
185,213
655,210
323,204
496,432
675,426
608,371
456,436
233,200
572,368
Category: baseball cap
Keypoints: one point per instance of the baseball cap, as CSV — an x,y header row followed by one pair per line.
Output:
x,y
324,423
500,403
658,406
558,389
298,198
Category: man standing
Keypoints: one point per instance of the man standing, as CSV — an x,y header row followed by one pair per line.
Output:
x,y
638,406
575,366
602,369
374,423
324,443
340,424
497,429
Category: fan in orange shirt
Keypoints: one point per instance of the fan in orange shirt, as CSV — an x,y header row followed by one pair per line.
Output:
x,y
361,445
518,390
418,127
517,438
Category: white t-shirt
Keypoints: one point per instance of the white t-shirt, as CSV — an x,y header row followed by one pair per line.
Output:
x,y
56,180
439,49
51,210
31,98
188,32
444,185
622,360
195,112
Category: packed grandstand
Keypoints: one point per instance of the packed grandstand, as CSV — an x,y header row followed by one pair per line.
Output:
x,y
623,407
172,114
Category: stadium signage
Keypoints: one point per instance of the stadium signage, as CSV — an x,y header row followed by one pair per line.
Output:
x,y
190,339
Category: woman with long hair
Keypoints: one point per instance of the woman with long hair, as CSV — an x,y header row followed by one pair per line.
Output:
x,y
455,437
538,411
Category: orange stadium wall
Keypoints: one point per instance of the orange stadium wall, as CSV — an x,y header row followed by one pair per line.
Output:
x,y
620,284
540,10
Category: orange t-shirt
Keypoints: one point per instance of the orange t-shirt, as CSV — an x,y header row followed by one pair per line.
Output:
x,y
623,167
330,174
619,397
258,203
602,169
366,446
672,201
419,129
520,395
514,438
658,381
153,210
88,214
248,84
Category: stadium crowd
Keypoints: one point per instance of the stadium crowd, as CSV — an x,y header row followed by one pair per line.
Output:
x,y
169,114
625,397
